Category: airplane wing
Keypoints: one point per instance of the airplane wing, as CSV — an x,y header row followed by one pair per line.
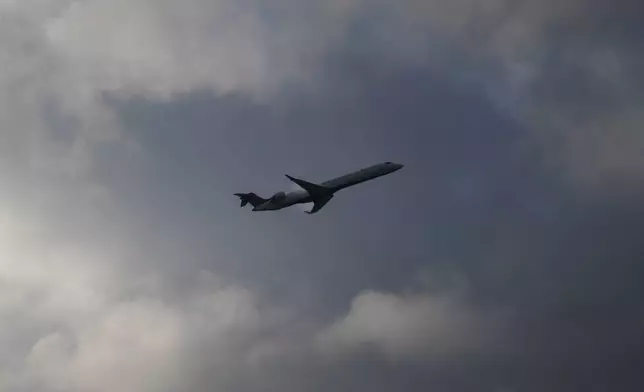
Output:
x,y
319,203
315,190
319,193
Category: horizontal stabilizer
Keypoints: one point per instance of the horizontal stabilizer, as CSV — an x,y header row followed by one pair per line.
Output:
x,y
315,191
251,198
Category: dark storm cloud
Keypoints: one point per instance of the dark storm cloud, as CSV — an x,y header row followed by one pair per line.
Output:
x,y
478,267
411,116
586,100
564,268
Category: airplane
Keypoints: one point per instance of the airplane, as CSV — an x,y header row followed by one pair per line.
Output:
x,y
318,194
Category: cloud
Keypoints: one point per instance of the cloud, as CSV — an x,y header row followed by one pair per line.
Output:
x,y
574,82
569,72
82,308
51,120
588,111
159,48
87,304
78,318
439,325
62,56
145,344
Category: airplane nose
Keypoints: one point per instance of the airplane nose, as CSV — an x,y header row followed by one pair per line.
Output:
x,y
399,166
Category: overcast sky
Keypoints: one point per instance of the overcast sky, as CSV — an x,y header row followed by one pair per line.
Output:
x,y
506,256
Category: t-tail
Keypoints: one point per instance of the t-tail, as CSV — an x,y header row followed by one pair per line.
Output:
x,y
251,198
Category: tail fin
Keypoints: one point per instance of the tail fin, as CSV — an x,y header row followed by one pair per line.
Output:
x,y
251,198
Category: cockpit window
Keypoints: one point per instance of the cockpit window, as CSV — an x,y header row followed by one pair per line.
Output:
x,y
387,163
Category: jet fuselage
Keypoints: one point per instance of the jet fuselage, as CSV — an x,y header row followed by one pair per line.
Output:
x,y
328,188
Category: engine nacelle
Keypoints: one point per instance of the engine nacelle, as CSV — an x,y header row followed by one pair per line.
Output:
x,y
278,196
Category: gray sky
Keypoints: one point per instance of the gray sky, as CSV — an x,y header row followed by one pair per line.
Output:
x,y
505,256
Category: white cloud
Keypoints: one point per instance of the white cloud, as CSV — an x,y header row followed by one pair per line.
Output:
x,y
160,47
60,56
51,120
163,47
78,318
407,326
145,344
80,310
